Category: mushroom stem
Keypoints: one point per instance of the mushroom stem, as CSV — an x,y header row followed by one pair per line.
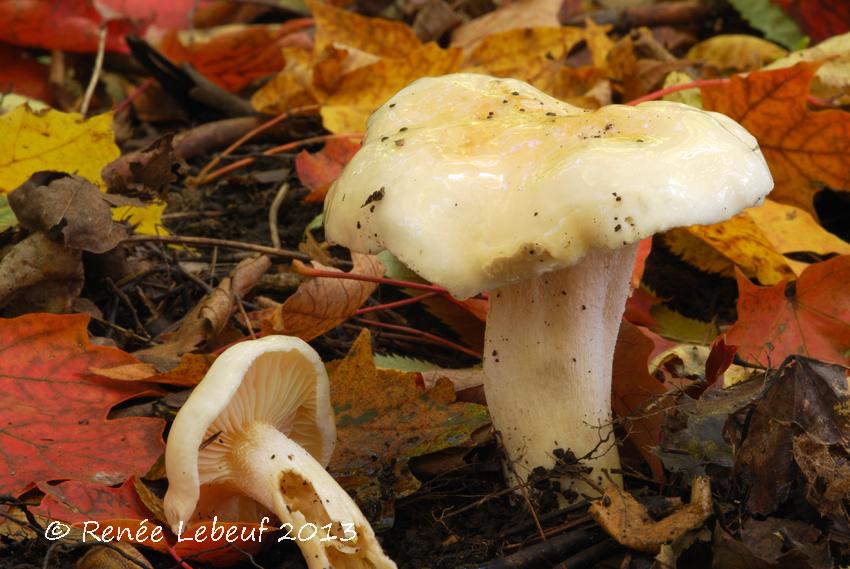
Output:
x,y
548,362
317,514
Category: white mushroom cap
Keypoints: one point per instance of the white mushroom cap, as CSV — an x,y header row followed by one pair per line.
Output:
x,y
477,182
276,380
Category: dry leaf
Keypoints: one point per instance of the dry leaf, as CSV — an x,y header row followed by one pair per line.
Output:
x,y
516,15
805,149
324,303
628,521
735,52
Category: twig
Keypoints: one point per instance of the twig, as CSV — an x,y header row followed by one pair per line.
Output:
x,y
245,317
420,333
591,556
134,94
312,272
271,152
126,299
554,548
273,210
676,88
212,242
202,175
95,74
396,304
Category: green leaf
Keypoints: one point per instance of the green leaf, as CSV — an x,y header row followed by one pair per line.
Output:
x,y
7,216
771,21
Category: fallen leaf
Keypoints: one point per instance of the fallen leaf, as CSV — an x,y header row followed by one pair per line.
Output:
x,y
23,75
768,18
735,52
628,521
826,469
512,16
820,19
146,173
810,316
105,557
33,141
318,170
791,230
54,412
68,207
324,303
188,373
772,543
805,149
7,216
38,275
721,247
209,316
639,399
383,38
804,397
384,419
832,78
235,56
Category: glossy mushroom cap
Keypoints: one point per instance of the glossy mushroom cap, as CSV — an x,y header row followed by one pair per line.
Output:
x,y
477,182
278,381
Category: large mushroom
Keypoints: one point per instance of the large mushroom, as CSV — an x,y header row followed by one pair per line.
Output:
x,y
485,184
254,437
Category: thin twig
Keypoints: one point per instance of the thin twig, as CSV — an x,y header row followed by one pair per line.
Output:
x,y
676,88
95,74
271,152
313,272
396,304
273,210
134,94
421,333
245,317
202,175
212,242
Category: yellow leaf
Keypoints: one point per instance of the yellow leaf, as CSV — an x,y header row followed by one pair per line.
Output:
x,y
516,15
720,247
790,229
145,220
832,79
735,52
32,141
360,92
377,36
522,53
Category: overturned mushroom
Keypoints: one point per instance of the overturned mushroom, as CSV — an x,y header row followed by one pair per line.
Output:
x,y
485,184
254,437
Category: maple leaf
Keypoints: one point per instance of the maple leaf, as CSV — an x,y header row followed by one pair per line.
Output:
x,y
64,142
805,149
324,303
23,75
810,316
384,418
317,171
54,413
235,56
819,18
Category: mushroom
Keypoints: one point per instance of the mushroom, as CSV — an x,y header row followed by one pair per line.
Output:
x,y
255,436
485,184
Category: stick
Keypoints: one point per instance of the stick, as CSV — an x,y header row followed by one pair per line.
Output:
x,y
211,242
95,74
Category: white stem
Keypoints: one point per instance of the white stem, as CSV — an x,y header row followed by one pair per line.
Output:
x,y
278,473
547,362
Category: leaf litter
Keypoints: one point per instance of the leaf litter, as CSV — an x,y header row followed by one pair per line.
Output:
x,y
422,462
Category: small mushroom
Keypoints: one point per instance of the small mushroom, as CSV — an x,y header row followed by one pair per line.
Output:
x,y
254,437
502,188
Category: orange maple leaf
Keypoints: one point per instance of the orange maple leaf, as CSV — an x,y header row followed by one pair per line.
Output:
x,y
805,149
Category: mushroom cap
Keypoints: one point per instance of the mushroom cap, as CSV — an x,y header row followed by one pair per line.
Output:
x,y
477,182
276,380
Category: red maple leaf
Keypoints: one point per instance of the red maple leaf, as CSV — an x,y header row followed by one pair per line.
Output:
x,y
53,412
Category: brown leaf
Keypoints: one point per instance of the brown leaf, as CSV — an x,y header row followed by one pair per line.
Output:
x,y
628,521
189,372
146,173
827,472
773,543
38,275
324,303
385,418
70,206
207,319
806,397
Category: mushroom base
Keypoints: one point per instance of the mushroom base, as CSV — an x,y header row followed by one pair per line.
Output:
x,y
549,350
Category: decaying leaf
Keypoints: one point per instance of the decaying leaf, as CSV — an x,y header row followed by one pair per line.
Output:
x,y
208,318
773,543
827,471
385,418
832,78
735,52
318,170
628,521
38,275
804,398
146,173
324,303
105,557
54,412
810,316
805,149
69,208
188,373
